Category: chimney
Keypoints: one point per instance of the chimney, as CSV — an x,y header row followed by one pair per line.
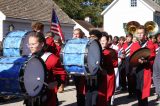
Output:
x,y
87,19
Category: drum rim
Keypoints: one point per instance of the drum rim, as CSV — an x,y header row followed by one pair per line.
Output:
x,y
86,56
22,85
23,38
61,54
20,46
86,72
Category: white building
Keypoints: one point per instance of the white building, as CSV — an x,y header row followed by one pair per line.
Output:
x,y
120,12
20,13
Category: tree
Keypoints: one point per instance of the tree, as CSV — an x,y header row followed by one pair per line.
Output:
x,y
71,7
79,9
158,2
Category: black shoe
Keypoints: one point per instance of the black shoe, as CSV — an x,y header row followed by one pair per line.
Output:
x,y
2,100
123,89
158,98
130,96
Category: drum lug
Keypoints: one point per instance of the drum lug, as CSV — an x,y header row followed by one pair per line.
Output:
x,y
21,79
92,80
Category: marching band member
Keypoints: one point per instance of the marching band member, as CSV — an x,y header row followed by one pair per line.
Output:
x,y
134,39
144,70
92,81
95,34
37,26
110,40
106,78
58,43
156,76
156,73
115,47
80,81
121,64
61,76
37,46
158,39
157,42
130,75
55,49
51,46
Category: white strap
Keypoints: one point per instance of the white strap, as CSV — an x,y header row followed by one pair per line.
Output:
x,y
127,50
144,45
128,47
45,56
157,50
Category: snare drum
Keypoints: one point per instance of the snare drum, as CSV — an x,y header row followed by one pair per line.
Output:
x,y
15,44
81,56
19,76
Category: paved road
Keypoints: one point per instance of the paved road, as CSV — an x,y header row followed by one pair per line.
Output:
x,y
68,98
120,98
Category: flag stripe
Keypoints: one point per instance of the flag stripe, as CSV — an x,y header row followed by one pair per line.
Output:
x,y
55,26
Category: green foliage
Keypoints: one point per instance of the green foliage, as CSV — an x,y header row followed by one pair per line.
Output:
x,y
71,7
77,9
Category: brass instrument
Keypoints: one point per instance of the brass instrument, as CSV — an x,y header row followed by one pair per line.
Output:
x,y
151,27
131,27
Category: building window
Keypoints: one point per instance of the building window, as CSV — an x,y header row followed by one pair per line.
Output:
x,y
133,3
124,27
11,27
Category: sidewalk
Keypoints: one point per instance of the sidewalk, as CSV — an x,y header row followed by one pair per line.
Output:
x,y
68,98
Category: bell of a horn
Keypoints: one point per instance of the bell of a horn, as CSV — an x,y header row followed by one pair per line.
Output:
x,y
151,27
131,27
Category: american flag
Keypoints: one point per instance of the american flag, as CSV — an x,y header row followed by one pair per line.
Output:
x,y
55,26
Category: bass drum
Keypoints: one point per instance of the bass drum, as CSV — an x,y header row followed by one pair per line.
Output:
x,y
15,44
81,56
22,76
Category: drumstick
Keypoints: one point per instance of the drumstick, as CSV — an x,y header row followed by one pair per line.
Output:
x,y
39,79
36,88
50,85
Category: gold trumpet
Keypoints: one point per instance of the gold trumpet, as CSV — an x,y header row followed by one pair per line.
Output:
x,y
131,27
151,27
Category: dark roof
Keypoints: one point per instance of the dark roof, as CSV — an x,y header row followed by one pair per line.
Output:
x,y
154,5
85,24
40,10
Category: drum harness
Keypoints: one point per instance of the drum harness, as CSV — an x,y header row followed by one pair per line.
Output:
x,y
157,50
143,45
127,56
127,50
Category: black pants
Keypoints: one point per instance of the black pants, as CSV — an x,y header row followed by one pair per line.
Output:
x,y
141,102
36,101
91,98
80,100
122,77
32,101
131,83
80,96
